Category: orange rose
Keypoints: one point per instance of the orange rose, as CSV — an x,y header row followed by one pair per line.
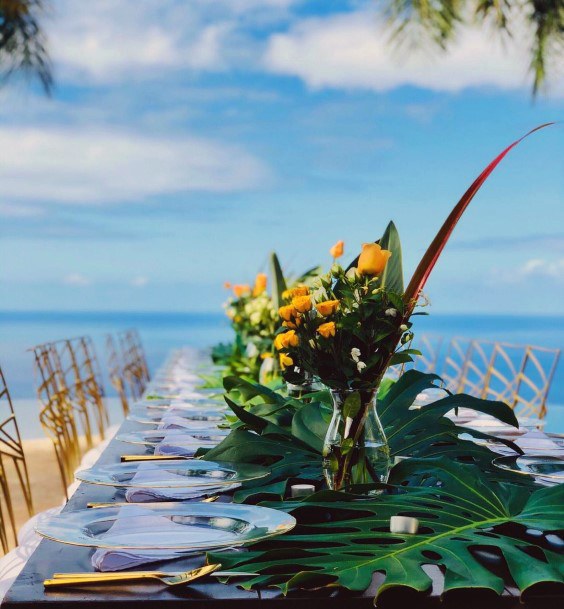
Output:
x,y
285,360
241,290
293,325
302,303
260,284
327,307
287,312
285,340
327,329
337,250
373,259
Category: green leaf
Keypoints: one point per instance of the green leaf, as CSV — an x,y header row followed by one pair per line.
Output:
x,y
343,543
352,405
248,390
392,277
278,281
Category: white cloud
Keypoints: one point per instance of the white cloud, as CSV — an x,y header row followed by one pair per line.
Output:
x,y
353,51
18,210
535,268
93,166
139,282
76,279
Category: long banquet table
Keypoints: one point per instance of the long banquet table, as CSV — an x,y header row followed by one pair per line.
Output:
x,y
28,591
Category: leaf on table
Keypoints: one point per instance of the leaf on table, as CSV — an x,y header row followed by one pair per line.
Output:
x,y
343,542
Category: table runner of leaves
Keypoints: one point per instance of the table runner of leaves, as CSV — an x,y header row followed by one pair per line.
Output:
x,y
473,516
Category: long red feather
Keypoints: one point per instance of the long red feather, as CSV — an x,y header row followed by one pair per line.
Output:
x,y
432,254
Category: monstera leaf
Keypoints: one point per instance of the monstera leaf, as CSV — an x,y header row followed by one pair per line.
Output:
x,y
289,424
469,528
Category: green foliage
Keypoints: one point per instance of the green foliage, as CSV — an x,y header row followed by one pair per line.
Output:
x,y
467,526
286,425
22,41
441,20
278,281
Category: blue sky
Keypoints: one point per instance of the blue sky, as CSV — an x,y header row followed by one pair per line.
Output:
x,y
184,141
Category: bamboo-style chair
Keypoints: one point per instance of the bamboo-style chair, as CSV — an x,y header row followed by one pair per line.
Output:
x,y
12,461
135,370
454,363
476,369
521,377
88,380
430,347
116,374
57,414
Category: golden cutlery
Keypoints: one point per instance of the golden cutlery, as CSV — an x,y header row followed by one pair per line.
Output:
x,y
169,579
95,504
119,575
130,458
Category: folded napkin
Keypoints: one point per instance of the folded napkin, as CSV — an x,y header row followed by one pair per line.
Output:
x,y
134,522
172,421
147,474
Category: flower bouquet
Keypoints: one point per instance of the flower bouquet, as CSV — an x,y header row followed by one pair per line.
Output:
x,y
346,330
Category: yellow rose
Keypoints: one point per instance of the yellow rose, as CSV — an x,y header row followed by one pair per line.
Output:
x,y
265,355
373,259
301,303
287,294
287,312
337,250
285,360
327,329
260,284
241,290
327,307
285,340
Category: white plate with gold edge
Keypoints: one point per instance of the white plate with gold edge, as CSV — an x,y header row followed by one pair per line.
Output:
x,y
204,436
176,474
182,526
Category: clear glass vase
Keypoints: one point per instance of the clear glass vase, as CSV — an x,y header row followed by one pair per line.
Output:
x,y
309,385
355,450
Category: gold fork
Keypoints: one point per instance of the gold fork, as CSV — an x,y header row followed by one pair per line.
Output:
x,y
131,458
169,579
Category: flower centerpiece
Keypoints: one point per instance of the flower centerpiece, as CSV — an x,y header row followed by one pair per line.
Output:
x,y
347,330
254,321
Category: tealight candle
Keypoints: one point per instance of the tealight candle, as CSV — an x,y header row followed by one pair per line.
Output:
x,y
301,490
404,524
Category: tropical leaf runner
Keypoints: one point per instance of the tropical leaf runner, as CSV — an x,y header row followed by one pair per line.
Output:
x,y
468,527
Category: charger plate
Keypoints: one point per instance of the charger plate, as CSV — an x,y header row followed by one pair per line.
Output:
x,y
167,526
177,474
547,466
204,436
154,417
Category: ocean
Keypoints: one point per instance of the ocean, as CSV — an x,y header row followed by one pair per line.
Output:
x,y
162,332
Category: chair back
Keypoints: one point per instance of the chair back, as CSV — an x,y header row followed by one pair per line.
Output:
x,y
115,370
454,363
57,414
430,347
135,370
12,462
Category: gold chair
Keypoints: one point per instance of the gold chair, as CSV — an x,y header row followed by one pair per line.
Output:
x,y
88,379
115,370
57,415
521,376
455,362
12,459
135,370
430,347
476,369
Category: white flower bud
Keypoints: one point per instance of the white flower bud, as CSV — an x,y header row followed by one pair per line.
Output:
x,y
403,327
355,354
360,366
391,312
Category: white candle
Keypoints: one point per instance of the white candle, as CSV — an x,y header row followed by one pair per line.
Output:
x,y
301,490
404,524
